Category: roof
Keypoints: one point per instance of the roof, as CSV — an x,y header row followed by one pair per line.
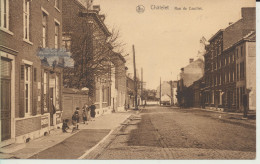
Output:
x,y
95,15
219,31
120,56
250,37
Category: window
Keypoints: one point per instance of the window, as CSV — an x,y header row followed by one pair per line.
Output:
x,y
45,92
229,79
231,76
242,70
66,41
44,30
4,14
27,88
56,37
237,53
57,90
26,19
241,95
237,72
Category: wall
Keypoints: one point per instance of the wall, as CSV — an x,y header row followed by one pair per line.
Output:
x,y
251,73
71,100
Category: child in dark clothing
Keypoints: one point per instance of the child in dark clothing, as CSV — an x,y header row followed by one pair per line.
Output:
x,y
65,126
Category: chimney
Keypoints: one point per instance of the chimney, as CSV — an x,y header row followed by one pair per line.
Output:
x,y
96,8
248,12
230,23
191,60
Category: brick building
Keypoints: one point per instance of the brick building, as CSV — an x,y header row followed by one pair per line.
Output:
x,y
82,19
26,28
220,89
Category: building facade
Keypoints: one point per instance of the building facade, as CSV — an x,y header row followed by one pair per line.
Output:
x,y
26,28
107,90
189,74
221,64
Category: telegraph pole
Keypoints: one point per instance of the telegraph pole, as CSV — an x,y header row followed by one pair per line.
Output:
x,y
135,82
171,94
160,91
142,86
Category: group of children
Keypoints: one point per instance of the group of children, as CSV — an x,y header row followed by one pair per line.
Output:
x,y
75,118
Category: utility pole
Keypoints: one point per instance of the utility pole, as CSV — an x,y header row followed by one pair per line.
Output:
x,y
135,81
142,86
171,93
160,91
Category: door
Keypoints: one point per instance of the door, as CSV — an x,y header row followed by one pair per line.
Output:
x,y
5,99
51,106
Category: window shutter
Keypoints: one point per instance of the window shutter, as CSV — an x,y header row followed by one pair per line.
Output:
x,y
22,72
21,100
34,93
42,92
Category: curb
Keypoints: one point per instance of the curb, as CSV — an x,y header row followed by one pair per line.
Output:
x,y
54,144
103,141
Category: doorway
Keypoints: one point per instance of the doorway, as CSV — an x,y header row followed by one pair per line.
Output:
x,y
5,99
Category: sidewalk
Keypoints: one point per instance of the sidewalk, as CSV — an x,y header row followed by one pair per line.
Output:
x,y
27,150
230,117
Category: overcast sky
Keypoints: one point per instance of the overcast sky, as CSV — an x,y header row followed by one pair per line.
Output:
x,y
165,39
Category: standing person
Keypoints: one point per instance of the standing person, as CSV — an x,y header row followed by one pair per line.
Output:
x,y
75,118
84,115
245,105
92,111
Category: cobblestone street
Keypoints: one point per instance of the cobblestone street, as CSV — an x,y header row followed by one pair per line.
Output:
x,y
173,133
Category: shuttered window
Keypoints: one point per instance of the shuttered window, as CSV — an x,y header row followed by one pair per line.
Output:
x,y
5,68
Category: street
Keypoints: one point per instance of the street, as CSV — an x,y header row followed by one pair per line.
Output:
x,y
173,133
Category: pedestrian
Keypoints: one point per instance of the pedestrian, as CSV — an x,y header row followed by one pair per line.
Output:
x,y
84,116
92,112
245,105
75,119
65,126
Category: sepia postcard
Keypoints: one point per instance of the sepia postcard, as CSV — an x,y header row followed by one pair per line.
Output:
x,y
128,80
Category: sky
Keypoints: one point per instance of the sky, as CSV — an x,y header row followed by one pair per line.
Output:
x,y
165,40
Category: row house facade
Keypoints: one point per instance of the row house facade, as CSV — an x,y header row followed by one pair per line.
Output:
x,y
30,90
223,67
130,91
109,89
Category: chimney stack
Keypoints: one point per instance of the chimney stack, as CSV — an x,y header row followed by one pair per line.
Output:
x,y
96,8
230,23
248,12
191,60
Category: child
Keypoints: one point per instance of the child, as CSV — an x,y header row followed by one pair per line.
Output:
x,y
84,116
75,120
65,126
92,112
